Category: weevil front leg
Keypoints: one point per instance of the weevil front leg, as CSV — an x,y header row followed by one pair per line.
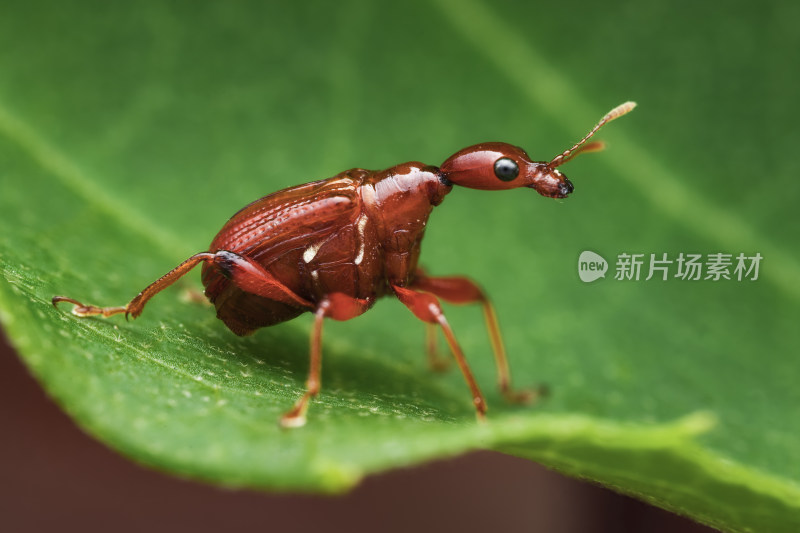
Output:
x,y
426,307
339,307
460,290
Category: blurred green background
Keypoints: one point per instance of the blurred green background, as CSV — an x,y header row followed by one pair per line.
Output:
x,y
129,134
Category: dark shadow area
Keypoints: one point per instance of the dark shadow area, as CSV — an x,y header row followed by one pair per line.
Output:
x,y
403,371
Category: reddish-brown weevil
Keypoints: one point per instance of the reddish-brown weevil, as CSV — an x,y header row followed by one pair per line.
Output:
x,y
333,247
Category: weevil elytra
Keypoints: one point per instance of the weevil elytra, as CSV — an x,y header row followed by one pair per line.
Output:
x,y
333,247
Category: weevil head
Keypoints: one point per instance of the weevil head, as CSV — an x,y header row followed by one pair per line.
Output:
x,y
498,166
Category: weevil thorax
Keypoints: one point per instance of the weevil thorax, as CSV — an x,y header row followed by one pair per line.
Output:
x,y
498,166
405,194
398,201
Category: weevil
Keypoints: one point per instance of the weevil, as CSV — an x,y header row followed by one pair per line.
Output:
x,y
333,247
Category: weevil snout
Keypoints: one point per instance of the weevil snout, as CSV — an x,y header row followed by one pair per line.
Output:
x,y
566,188
551,183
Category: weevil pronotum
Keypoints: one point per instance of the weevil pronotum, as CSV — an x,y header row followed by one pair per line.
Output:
x,y
333,247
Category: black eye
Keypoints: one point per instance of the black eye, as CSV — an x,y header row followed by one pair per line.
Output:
x,y
506,169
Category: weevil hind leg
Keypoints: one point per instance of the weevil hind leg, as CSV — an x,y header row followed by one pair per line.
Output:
x,y
134,307
243,271
83,310
460,291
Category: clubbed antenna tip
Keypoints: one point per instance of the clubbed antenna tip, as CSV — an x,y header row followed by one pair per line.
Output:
x,y
579,147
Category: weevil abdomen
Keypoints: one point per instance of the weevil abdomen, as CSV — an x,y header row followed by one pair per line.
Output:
x,y
275,231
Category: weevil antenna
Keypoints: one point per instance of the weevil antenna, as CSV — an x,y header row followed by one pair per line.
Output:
x,y
591,147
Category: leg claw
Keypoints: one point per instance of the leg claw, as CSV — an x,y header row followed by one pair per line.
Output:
x,y
526,396
439,364
290,420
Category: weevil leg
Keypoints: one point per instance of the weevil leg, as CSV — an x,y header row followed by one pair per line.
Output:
x,y
436,362
134,307
194,296
460,290
296,416
255,279
426,307
245,273
84,310
339,307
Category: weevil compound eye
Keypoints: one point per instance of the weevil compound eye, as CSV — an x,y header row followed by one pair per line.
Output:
x,y
506,169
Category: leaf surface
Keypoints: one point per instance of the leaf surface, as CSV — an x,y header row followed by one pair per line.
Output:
x,y
128,135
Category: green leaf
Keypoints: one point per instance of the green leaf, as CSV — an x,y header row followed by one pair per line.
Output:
x,y
128,135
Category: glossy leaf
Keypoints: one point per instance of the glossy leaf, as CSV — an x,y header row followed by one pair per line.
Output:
x,y
128,134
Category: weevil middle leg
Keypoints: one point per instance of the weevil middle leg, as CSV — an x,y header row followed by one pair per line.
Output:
x,y
337,306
